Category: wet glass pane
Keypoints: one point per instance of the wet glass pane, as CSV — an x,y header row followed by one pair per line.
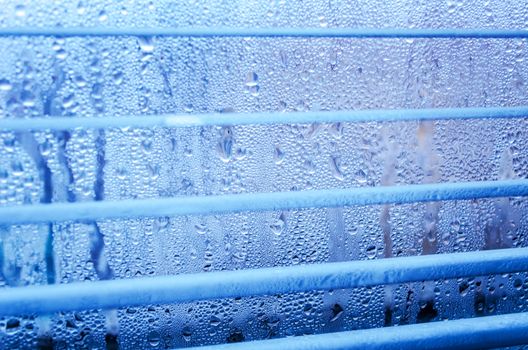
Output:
x,y
123,76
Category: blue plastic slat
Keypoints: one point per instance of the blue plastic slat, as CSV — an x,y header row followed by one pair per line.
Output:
x,y
232,203
260,118
269,32
265,281
473,333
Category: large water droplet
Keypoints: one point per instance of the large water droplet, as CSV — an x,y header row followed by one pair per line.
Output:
x,y
103,16
12,326
154,338
335,167
337,312
186,334
20,10
214,321
5,85
27,98
278,155
372,250
278,226
146,44
252,83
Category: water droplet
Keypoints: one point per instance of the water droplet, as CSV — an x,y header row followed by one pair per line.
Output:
x,y
335,167
103,16
188,108
463,288
20,11
118,78
322,21
121,173
278,155
61,54
361,176
336,130
455,225
200,229
27,98
252,83
517,284
80,81
67,101
146,44
252,79
236,336
17,168
12,325
284,58
5,85
451,7
186,334
307,309
372,250
45,148
81,9
278,226
337,312
154,338
309,166
225,145
214,321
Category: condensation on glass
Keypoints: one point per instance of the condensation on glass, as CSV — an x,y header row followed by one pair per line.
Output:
x,y
120,76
